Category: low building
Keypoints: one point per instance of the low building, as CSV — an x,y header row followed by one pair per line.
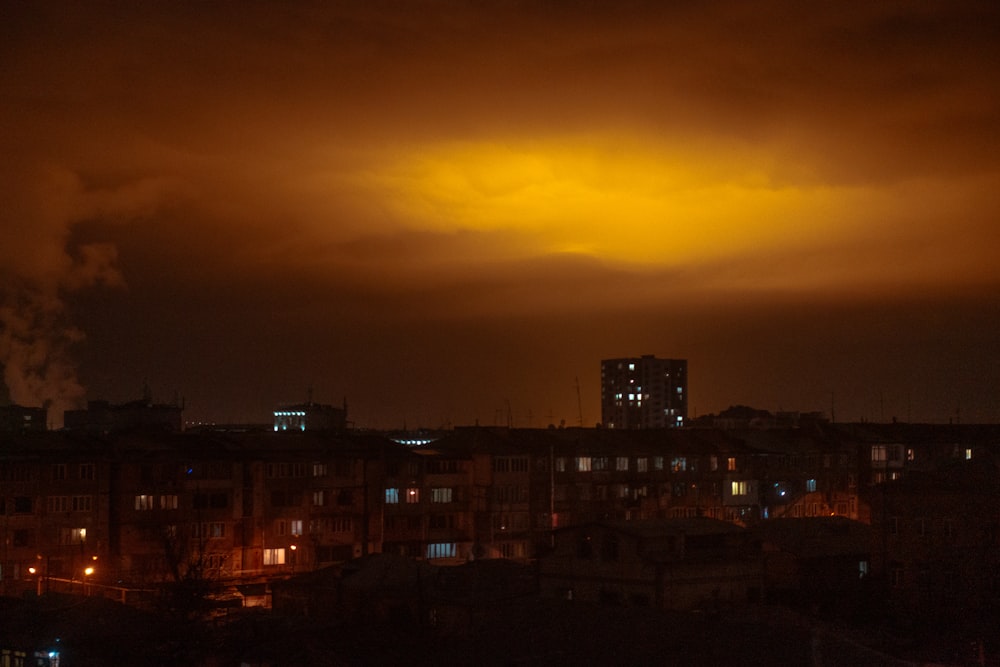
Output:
x,y
104,417
677,564
819,562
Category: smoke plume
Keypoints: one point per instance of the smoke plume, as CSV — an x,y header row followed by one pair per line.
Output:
x,y
39,270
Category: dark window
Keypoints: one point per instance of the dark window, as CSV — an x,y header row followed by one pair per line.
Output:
x,y
609,551
333,554
285,499
22,505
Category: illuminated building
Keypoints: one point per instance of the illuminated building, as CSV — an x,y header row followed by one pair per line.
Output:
x,y
310,416
643,392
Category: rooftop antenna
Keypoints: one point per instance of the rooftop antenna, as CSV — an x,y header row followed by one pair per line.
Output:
x,y
579,402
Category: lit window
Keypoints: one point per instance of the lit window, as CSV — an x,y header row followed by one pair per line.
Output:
x,y
642,464
968,453
413,496
810,485
560,464
441,550
168,502
862,568
319,498
441,495
741,488
621,463
678,464
144,502
713,462
296,527
319,470
879,454
73,535
583,463
391,496
731,463
274,556
657,463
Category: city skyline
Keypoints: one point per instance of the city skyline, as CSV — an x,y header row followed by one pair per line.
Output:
x,y
446,213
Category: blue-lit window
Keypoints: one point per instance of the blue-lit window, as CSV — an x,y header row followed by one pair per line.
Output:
x,y
392,496
441,550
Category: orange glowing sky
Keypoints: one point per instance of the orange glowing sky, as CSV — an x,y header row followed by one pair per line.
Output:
x,y
439,209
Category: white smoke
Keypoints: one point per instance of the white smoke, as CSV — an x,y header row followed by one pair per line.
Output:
x,y
38,271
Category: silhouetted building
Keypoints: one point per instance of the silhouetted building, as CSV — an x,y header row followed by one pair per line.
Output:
x,y
103,417
644,392
680,564
19,418
823,561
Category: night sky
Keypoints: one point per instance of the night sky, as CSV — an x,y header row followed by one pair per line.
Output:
x,y
451,211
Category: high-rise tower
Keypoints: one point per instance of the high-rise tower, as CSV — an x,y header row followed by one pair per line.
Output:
x,y
644,392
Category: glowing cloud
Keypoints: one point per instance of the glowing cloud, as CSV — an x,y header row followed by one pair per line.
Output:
x,y
619,202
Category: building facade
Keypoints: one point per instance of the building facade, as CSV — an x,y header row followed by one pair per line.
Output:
x,y
644,392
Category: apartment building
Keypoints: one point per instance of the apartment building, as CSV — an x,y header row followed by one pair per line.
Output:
x,y
644,392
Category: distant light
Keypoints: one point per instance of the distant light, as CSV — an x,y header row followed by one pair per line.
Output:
x,y
89,571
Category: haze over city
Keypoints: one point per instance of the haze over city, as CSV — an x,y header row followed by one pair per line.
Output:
x,y
444,211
